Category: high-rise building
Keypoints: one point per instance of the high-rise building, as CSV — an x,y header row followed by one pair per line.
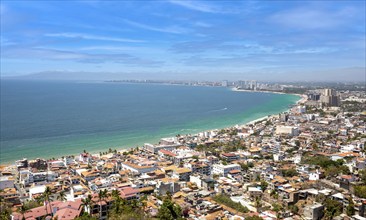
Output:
x,y
283,117
330,98
224,83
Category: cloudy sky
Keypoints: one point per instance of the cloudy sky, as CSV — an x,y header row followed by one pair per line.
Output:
x,y
182,39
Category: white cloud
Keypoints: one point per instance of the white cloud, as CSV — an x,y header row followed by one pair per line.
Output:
x,y
197,6
93,37
170,29
309,18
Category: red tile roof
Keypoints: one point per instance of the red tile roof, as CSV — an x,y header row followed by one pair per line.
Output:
x,y
128,192
70,210
228,155
169,153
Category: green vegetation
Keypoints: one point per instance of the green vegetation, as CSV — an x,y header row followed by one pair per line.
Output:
x,y
289,173
350,209
334,171
332,168
332,208
360,191
126,210
277,207
32,204
353,106
86,216
264,185
294,209
5,210
214,148
246,166
323,161
362,174
225,200
169,211
253,218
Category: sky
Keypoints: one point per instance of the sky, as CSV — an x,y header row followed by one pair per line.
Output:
x,y
183,39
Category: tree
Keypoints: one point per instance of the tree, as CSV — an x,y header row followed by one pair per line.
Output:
x,y
32,204
255,217
47,198
244,166
5,210
264,185
258,203
226,200
294,209
22,210
115,194
350,209
360,191
87,202
297,143
362,174
332,208
86,216
276,207
102,194
169,211
61,196
289,173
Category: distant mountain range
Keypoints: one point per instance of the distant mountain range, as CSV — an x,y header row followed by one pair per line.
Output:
x,y
352,74
74,76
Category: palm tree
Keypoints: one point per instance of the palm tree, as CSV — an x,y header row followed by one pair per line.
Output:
x,y
47,197
61,196
87,202
258,203
118,204
115,194
23,209
5,210
101,195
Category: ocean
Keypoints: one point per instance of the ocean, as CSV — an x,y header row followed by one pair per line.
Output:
x,y
51,118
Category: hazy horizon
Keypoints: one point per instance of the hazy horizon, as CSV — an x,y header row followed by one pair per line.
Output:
x,y
184,40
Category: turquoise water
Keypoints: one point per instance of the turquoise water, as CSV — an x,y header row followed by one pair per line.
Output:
x,y
50,119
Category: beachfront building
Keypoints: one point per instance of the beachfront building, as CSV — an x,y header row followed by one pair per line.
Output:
x,y
27,177
137,168
156,148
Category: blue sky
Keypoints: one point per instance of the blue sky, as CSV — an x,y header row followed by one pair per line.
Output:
x,y
173,39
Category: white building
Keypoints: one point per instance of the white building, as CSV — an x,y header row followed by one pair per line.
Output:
x,y
313,176
36,190
287,130
137,168
156,148
26,177
301,109
223,170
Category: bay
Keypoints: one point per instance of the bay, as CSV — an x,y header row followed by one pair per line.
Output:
x,y
53,118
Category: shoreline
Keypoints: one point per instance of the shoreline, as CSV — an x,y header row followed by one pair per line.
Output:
x,y
302,96
128,148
